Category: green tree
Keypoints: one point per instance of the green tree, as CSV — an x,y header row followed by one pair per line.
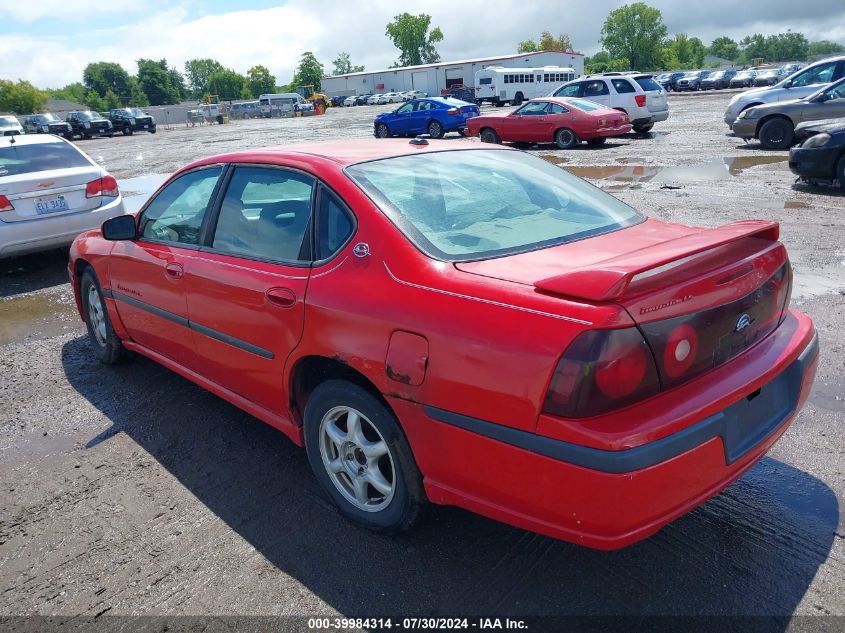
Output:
x,y
602,62
635,33
137,96
226,83
21,97
112,100
309,71
823,47
156,82
343,65
411,35
72,92
527,46
104,76
177,80
197,72
94,101
724,47
753,47
259,81
697,52
559,43
786,47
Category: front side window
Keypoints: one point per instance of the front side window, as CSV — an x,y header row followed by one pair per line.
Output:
x,y
821,74
406,109
265,214
835,92
487,203
533,108
176,213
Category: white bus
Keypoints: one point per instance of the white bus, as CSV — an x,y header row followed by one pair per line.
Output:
x,y
500,85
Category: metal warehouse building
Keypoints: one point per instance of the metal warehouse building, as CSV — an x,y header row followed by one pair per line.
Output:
x,y
432,78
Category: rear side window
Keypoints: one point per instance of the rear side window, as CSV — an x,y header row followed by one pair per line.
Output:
x,y
622,86
647,83
334,225
23,159
176,213
557,109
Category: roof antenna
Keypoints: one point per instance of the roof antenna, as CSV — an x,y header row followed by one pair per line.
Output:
x,y
12,139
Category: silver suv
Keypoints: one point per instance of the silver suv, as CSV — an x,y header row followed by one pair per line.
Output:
x,y
636,94
797,86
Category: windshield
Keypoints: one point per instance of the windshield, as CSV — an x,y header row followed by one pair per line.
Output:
x,y
717,75
487,203
584,105
48,118
7,121
743,74
136,112
21,159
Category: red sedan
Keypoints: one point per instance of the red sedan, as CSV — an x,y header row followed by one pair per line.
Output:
x,y
566,122
461,324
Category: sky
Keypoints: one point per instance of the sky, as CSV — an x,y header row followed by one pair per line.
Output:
x,y
50,42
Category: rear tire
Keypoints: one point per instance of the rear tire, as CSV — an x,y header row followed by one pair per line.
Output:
x,y
435,130
643,129
776,133
106,344
565,138
517,99
361,458
489,136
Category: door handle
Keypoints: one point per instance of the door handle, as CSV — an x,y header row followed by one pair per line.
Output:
x,y
281,297
174,270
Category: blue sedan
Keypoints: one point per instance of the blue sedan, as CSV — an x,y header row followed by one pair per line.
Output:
x,y
434,116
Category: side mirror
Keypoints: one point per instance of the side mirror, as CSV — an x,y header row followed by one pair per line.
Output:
x,y
787,84
118,228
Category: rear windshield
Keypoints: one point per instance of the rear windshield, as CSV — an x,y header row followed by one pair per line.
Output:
x,y
477,204
585,106
22,159
647,83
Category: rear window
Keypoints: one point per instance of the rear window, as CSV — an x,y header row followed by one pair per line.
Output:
x,y
23,159
585,105
486,203
647,83
484,81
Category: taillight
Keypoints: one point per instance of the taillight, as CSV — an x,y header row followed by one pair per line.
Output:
x,y
5,204
600,371
785,291
640,99
454,111
105,186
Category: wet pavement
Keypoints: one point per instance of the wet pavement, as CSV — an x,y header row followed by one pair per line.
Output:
x,y
129,490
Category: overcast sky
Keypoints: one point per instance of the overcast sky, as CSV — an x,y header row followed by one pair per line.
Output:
x,y
49,42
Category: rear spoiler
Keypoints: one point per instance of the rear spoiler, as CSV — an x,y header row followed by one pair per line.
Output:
x,y
608,280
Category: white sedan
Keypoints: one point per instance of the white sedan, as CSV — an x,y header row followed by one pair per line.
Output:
x,y
50,192
374,99
413,94
349,102
390,97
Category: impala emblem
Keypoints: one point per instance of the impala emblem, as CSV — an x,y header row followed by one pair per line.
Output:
x,y
361,249
743,322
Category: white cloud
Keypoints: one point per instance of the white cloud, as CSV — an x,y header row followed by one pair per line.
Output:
x,y
74,11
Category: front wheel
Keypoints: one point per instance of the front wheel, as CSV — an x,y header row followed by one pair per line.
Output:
x,y
435,130
382,131
643,129
565,138
776,134
361,458
489,136
106,344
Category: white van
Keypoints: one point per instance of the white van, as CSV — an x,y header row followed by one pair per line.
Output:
x,y
500,85
279,105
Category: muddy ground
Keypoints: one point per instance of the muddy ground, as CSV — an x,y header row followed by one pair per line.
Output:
x,y
129,491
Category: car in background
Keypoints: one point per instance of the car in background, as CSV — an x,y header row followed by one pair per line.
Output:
x,y
50,192
373,99
337,100
350,101
636,94
789,69
461,93
413,94
774,123
796,86
389,97
434,116
10,126
718,79
245,110
462,324
46,123
743,79
821,155
566,122
768,77
362,99
669,81
692,80
131,120
87,123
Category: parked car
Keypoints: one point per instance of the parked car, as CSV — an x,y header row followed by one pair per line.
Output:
x,y
337,100
435,116
774,123
821,155
131,120
566,122
88,123
245,110
636,94
789,69
669,81
743,79
589,354
10,126
390,97
413,94
373,99
46,123
362,99
718,80
692,80
796,86
50,191
768,77
461,93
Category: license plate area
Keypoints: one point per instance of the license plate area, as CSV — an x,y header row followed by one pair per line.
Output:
x,y
51,204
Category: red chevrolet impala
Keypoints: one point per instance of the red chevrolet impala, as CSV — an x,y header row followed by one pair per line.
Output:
x,y
461,324
566,122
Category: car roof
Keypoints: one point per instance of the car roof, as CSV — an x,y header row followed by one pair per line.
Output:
x,y
342,153
30,139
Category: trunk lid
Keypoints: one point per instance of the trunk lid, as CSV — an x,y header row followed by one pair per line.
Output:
x,y
48,194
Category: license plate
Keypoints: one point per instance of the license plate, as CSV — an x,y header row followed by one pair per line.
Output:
x,y
50,204
146,127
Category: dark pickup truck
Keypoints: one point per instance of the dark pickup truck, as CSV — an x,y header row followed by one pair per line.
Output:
x,y
131,120
46,123
88,123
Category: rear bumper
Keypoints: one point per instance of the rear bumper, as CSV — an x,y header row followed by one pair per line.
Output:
x,y
813,162
45,232
608,499
618,130
652,117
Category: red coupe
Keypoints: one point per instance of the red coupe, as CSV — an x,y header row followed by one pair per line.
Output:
x,y
461,324
566,122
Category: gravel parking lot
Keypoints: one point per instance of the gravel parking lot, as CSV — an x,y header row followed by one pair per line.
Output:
x,y
130,491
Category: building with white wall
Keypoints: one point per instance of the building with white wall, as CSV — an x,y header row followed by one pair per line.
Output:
x,y
433,78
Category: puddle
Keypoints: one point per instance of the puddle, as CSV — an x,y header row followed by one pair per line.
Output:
x,y
39,315
720,169
136,190
795,204
829,395
554,160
